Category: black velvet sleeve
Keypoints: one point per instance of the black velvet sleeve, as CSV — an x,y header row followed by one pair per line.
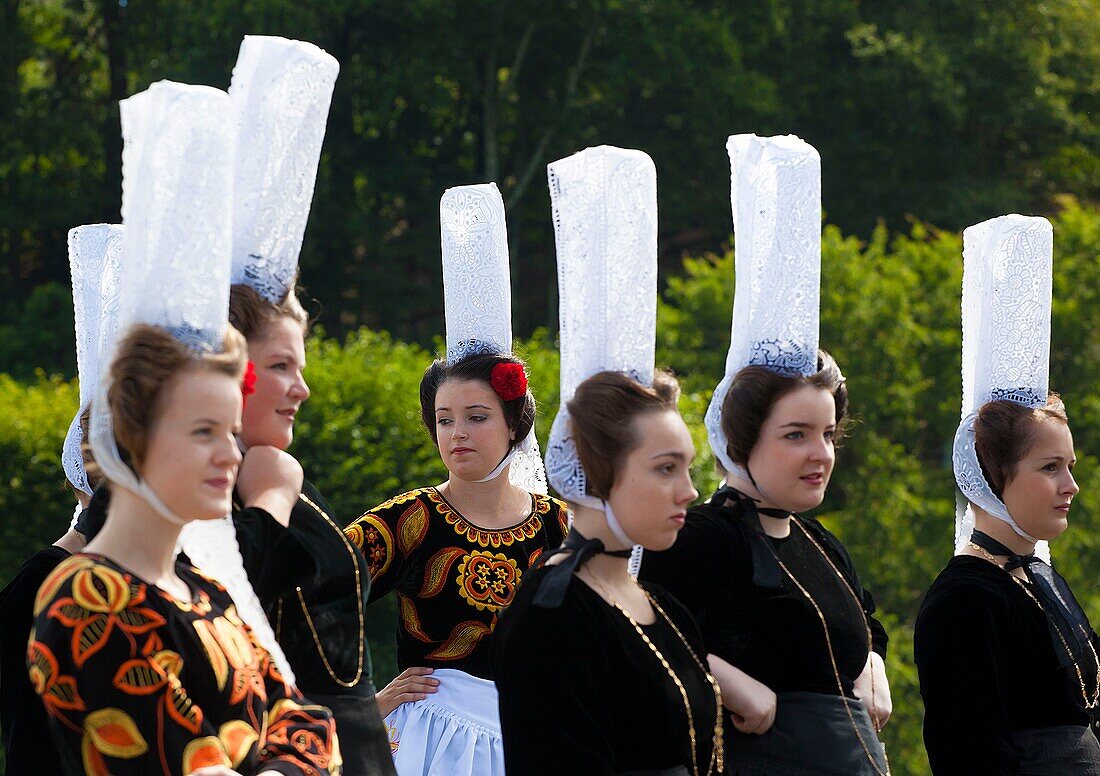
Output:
x,y
879,637
275,560
962,682
551,727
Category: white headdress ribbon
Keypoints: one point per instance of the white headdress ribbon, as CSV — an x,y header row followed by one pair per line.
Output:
x,y
477,292
604,202
775,193
177,209
281,92
95,260
1006,298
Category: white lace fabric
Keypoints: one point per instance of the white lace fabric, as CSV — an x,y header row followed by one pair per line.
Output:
x,y
775,194
477,294
281,92
177,210
604,203
95,260
1006,301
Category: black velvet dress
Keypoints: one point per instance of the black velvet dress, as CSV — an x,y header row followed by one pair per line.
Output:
x,y
581,692
753,616
314,584
27,748
990,677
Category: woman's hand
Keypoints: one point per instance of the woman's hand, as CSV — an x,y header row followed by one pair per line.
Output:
x,y
271,479
751,703
873,688
412,684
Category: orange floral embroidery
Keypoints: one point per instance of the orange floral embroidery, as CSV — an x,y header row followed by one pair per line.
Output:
x,y
58,692
374,538
292,726
238,738
436,570
204,752
160,673
57,578
102,600
462,641
110,732
487,581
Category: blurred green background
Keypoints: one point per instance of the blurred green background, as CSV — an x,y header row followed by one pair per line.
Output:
x,y
928,115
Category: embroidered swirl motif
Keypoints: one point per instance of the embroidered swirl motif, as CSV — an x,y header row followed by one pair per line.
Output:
x,y
487,580
484,537
374,538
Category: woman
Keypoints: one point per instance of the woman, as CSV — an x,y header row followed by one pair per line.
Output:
x,y
312,581
788,629
142,663
992,655
455,554
633,694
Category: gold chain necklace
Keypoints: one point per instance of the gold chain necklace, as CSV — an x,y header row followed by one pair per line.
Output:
x,y
829,642
1065,644
717,758
358,600
1061,637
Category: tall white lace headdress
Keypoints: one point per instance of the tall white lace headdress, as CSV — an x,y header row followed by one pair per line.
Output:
x,y
281,92
477,295
604,204
775,192
95,259
177,210
1007,279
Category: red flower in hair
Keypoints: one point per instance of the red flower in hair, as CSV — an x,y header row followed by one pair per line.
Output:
x,y
508,380
248,384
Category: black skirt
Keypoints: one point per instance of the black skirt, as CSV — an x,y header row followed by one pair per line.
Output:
x,y
813,735
1058,750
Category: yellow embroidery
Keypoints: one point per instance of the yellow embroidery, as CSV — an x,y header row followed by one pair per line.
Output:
x,y
487,580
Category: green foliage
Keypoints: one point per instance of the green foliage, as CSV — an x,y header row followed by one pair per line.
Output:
x,y
35,500
890,315
953,110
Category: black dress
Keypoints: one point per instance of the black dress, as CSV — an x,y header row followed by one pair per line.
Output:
x,y
989,674
753,616
313,584
581,692
27,748
135,681
451,577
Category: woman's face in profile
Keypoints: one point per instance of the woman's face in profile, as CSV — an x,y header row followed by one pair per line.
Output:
x,y
653,487
1039,494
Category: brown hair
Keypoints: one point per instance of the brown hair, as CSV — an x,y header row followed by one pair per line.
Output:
x,y
756,389
251,314
519,413
1005,431
600,415
147,358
